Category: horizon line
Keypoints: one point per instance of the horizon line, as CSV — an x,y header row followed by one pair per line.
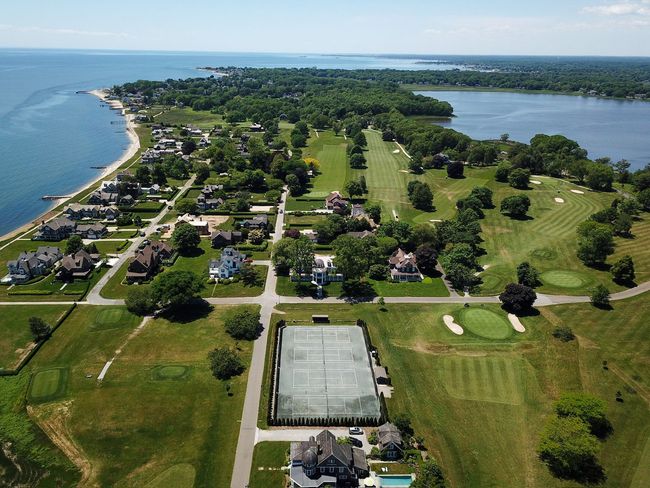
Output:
x,y
296,53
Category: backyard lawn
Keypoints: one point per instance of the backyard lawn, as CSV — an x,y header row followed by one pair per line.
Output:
x,y
268,459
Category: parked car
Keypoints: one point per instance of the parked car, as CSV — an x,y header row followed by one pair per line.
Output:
x,y
356,431
356,442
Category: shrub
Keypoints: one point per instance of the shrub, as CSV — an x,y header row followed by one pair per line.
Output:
x,y
600,296
563,333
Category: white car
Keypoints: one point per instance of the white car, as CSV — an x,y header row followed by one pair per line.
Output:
x,y
355,431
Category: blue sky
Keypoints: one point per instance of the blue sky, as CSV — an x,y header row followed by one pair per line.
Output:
x,y
552,27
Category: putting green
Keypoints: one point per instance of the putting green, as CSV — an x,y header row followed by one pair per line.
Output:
x,y
485,323
563,279
171,372
48,384
108,318
486,379
178,476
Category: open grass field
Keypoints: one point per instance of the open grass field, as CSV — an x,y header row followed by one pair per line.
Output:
x,y
15,336
158,418
268,458
480,404
428,287
182,116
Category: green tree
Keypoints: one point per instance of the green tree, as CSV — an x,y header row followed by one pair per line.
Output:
x,y
225,363
243,324
515,205
595,242
39,328
587,408
281,255
354,188
623,270
519,178
176,289
422,197
429,475
202,172
427,258
298,139
503,171
600,177
357,160
143,175
483,194
518,298
140,300
455,169
600,296
643,198
352,257
527,275
360,139
569,450
185,238
256,236
301,256
74,244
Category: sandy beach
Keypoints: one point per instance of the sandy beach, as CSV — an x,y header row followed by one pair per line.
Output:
x,y
131,150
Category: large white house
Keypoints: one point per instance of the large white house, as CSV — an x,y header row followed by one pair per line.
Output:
x,y
322,272
229,265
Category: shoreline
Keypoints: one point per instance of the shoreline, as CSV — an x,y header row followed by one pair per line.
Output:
x,y
129,152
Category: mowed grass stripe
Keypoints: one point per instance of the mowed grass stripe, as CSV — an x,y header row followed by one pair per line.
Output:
x,y
637,247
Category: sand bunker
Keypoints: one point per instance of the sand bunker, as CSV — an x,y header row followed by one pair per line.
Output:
x,y
516,323
435,220
452,326
396,151
579,192
404,171
536,182
559,200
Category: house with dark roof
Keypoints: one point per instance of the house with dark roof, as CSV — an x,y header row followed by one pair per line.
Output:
x,y
403,267
77,266
55,230
321,461
390,441
258,222
91,231
335,201
147,261
31,264
99,197
222,238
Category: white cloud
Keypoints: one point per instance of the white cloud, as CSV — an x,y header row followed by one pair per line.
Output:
x,y
622,8
62,31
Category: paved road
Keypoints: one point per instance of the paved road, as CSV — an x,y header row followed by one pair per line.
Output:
x,y
248,427
94,296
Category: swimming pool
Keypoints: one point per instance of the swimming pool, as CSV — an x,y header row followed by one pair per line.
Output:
x,y
395,480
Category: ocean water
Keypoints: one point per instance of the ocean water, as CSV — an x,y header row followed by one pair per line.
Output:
x,y
50,136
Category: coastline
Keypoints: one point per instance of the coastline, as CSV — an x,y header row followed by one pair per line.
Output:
x,y
129,152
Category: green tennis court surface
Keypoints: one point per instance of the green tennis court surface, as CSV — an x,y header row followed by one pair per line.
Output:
x,y
325,372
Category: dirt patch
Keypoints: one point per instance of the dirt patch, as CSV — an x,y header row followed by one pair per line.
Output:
x,y
424,348
52,418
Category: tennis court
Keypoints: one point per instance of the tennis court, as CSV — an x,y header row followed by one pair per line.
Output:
x,y
324,372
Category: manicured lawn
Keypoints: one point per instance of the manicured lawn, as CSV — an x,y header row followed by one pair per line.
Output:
x,y
288,288
50,289
637,247
238,289
429,287
111,247
15,335
547,240
330,150
182,116
268,458
303,220
146,425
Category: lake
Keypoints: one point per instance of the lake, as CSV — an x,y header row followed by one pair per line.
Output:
x,y
619,129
